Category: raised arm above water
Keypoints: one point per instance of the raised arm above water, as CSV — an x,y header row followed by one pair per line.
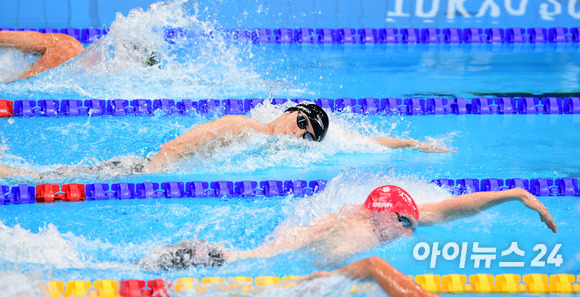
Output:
x,y
54,48
222,130
473,203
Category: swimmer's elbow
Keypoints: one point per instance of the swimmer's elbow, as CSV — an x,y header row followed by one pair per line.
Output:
x,y
62,47
374,261
166,154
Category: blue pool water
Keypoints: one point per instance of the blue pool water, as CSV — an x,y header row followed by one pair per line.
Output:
x,y
97,240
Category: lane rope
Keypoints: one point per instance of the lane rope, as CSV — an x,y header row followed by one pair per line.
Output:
x,y
367,106
351,35
47,193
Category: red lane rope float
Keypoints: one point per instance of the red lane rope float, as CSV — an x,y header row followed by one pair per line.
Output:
x,y
6,109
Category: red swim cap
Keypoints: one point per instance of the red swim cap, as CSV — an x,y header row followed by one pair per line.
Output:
x,y
392,199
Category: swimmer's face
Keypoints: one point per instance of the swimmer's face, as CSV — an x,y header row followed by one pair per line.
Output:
x,y
391,225
296,124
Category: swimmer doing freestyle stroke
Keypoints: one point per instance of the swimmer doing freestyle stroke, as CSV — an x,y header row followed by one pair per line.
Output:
x,y
388,213
54,49
305,120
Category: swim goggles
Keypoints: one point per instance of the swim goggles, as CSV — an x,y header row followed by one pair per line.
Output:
x,y
406,222
153,59
303,124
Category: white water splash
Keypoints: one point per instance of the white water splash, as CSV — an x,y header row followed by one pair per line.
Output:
x,y
47,247
50,248
202,64
353,186
16,283
14,63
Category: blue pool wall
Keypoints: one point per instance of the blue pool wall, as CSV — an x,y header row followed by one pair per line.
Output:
x,y
308,13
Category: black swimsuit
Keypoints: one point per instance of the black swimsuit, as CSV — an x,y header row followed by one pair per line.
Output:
x,y
184,254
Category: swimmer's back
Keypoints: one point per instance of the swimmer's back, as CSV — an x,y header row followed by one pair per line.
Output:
x,y
232,124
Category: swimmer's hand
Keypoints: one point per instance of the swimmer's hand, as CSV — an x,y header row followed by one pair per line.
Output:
x,y
392,281
428,147
531,202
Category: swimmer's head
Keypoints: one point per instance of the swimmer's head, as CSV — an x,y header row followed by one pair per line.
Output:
x,y
311,117
395,200
140,52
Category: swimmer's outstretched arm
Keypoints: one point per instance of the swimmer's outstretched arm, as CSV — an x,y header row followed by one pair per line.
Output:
x,y
54,48
221,130
392,281
471,204
396,143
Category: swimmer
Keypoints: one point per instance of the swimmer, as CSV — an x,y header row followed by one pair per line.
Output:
x,y
305,120
392,281
53,48
388,213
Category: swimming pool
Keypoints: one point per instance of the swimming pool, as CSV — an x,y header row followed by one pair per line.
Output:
x,y
101,239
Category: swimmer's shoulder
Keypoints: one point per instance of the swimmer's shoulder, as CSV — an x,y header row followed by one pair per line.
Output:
x,y
242,122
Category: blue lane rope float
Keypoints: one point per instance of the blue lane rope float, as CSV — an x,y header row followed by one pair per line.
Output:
x,y
43,193
85,35
354,36
368,106
536,186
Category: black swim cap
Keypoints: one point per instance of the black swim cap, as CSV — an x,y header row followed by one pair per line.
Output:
x,y
316,115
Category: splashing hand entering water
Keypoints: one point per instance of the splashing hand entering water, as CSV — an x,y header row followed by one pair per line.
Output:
x,y
200,64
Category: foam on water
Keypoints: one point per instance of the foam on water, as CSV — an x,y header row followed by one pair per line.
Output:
x,y
47,247
336,285
50,249
17,283
14,63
